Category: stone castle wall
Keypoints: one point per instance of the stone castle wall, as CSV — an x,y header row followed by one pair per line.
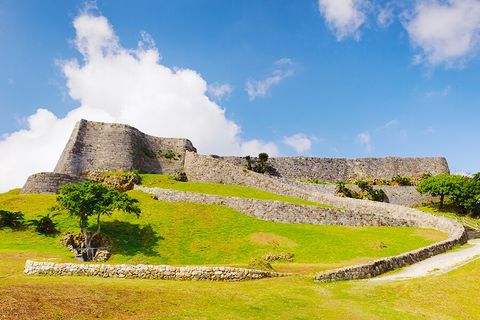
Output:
x,y
349,170
97,146
48,182
225,172
143,271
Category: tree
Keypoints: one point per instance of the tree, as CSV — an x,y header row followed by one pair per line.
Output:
x,y
441,185
91,199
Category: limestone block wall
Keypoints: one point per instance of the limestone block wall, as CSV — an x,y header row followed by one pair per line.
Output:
x,y
48,182
225,172
283,212
143,271
349,170
97,146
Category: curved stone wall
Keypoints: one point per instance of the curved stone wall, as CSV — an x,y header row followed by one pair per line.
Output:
x,y
143,271
98,146
224,172
349,170
48,182
283,212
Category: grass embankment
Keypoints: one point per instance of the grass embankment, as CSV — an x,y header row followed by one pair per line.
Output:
x,y
227,190
196,234
451,212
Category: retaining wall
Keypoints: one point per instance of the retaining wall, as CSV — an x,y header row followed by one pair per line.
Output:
x,y
224,172
146,271
48,182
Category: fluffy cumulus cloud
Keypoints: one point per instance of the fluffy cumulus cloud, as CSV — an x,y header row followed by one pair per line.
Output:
x,y
131,86
344,17
445,32
284,68
299,142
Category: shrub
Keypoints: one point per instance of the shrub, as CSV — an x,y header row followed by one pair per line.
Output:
x,y
343,191
169,154
402,181
44,225
12,220
263,157
260,165
180,176
364,185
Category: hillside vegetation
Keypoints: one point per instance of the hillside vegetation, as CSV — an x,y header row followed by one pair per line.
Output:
x,y
196,234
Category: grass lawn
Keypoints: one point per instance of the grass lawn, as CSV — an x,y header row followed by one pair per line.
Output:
x,y
449,212
450,296
165,181
196,234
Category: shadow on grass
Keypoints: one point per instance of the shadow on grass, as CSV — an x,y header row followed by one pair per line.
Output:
x,y
130,239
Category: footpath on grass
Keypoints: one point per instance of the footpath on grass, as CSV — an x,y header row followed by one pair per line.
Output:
x,y
438,264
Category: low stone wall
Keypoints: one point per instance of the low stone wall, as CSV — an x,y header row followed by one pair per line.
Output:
x,y
143,271
380,266
48,182
283,212
224,172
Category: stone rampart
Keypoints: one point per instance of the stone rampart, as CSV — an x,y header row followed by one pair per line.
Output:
x,y
225,172
48,182
283,212
162,272
349,170
97,146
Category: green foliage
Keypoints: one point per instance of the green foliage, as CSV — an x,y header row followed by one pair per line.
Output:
x,y
180,176
45,225
263,157
343,191
366,191
364,185
14,220
87,199
261,165
169,154
464,192
402,180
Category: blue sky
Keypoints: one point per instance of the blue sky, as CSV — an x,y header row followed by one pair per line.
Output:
x,y
342,78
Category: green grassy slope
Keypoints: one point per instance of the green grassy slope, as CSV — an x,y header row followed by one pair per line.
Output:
x,y
166,182
195,234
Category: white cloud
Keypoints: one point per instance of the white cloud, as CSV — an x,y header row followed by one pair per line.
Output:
x,y
254,147
344,17
439,93
261,88
364,139
219,91
445,32
299,142
130,86
385,16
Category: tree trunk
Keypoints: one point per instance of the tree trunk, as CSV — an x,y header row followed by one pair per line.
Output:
x,y
442,197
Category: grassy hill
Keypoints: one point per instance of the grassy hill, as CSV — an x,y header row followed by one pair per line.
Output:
x,y
186,233
197,234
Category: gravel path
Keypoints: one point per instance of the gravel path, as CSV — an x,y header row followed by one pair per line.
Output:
x,y
436,265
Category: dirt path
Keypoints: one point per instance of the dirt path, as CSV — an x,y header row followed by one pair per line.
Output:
x,y
436,265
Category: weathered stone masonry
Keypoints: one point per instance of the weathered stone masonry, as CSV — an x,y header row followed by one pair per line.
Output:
x,y
224,172
146,271
48,182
